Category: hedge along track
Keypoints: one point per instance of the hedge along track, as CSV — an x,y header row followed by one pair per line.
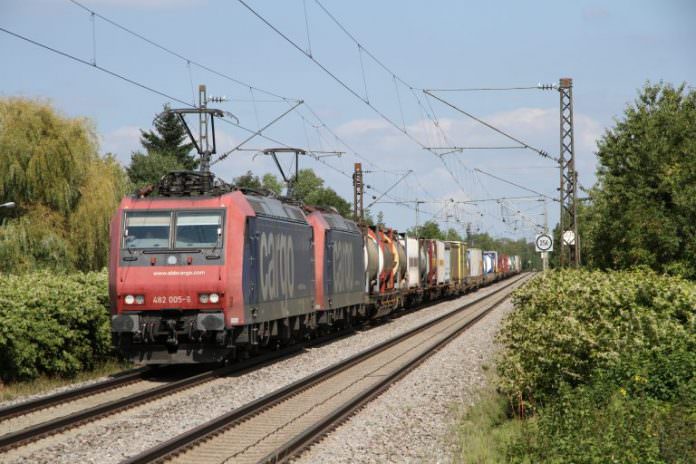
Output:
x,y
279,425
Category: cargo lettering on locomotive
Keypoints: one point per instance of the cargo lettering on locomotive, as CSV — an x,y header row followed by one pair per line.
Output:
x,y
277,266
343,260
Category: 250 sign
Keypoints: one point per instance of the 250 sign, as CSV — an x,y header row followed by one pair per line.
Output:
x,y
543,242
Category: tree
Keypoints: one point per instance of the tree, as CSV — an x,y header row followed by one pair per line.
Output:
x,y
272,183
380,219
169,139
148,169
165,151
453,235
309,188
643,207
429,229
65,192
249,180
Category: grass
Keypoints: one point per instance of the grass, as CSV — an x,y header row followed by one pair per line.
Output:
x,y
484,431
43,384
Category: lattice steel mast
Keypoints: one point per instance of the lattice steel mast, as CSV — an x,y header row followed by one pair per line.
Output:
x,y
570,249
358,191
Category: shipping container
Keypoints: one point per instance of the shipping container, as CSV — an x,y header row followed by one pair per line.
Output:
x,y
429,246
475,259
490,262
413,274
442,271
447,257
456,265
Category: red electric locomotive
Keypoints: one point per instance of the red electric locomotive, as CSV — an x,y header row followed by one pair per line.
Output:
x,y
204,278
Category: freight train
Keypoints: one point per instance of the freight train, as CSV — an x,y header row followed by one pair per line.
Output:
x,y
219,275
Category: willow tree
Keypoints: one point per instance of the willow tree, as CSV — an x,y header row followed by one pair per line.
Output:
x,y
65,192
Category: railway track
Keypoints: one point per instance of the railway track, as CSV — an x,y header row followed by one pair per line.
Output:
x,y
278,426
117,380
29,422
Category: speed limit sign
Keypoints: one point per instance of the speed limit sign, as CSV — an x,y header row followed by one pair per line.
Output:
x,y
543,242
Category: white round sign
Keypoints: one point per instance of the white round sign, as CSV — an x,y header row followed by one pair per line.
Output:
x,y
569,237
544,242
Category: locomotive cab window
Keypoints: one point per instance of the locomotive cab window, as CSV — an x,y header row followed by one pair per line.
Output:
x,y
147,230
198,230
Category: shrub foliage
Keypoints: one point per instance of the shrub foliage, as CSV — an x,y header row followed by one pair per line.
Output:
x,y
605,364
53,324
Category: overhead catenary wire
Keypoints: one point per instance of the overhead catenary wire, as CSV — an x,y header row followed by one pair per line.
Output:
x,y
132,81
434,118
355,93
487,89
177,54
258,132
189,62
492,127
515,184
163,94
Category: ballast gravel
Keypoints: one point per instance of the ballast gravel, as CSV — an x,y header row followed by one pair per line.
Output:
x,y
412,422
113,439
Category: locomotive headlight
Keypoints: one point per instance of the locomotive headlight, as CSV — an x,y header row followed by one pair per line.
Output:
x,y
139,299
214,298
129,299
203,298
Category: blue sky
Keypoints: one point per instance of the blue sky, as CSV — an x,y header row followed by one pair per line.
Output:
x,y
610,49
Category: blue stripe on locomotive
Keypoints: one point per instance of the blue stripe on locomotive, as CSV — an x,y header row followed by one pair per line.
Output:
x,y
278,271
344,269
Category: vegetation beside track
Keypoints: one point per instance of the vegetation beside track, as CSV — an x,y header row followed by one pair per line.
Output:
x,y
47,383
595,367
53,324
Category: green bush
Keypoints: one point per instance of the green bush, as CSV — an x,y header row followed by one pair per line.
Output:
x,y
605,366
54,324
568,325
611,421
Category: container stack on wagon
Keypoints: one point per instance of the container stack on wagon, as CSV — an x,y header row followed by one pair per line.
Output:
x,y
211,277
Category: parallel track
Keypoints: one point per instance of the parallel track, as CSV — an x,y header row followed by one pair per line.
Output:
x,y
117,380
59,424
279,425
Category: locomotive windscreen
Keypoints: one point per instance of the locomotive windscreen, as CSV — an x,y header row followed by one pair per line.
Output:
x,y
147,229
198,230
173,229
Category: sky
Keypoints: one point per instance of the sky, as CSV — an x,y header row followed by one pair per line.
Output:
x,y
395,50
